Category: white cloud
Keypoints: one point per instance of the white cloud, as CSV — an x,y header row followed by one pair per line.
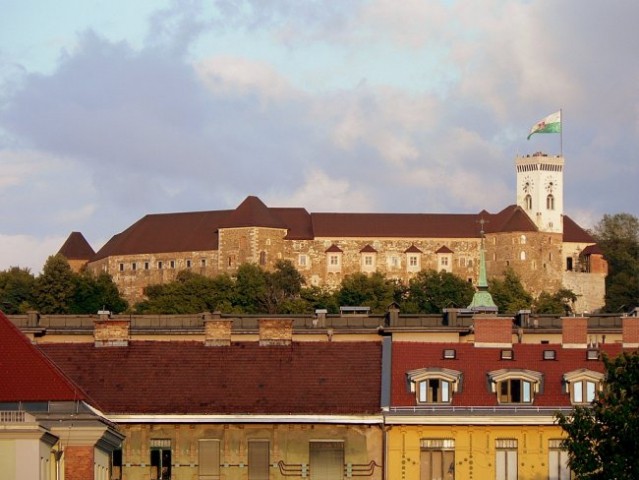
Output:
x,y
26,251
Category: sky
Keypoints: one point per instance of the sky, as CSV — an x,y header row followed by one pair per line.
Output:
x,y
111,110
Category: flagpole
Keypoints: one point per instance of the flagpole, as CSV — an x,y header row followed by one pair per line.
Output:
x,y
561,132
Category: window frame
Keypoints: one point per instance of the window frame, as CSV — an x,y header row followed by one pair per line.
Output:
x,y
582,378
434,385
515,386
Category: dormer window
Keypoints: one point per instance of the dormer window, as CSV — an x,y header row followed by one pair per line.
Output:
x,y
434,385
582,385
515,385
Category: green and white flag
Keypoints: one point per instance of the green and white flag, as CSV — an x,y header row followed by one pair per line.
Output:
x,y
550,124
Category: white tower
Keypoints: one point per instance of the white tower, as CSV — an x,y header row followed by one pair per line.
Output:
x,y
540,190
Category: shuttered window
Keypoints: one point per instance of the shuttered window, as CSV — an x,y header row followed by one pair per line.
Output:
x,y
326,460
258,460
209,459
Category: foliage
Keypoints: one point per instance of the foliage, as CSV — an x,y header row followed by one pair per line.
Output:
x,y
602,439
431,291
373,291
55,287
16,290
92,294
560,303
618,237
509,294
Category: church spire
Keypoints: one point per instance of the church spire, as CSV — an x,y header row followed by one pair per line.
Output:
x,y
482,299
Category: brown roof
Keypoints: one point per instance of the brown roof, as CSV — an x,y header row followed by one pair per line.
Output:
x,y
368,249
244,378
26,375
412,249
443,249
76,247
334,248
198,231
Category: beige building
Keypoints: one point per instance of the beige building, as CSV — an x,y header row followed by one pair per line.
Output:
x,y
546,248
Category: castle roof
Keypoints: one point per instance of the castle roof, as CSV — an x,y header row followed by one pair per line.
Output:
x,y
27,375
149,377
198,231
76,247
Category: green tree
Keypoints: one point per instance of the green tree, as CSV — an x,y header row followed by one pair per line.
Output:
x,y
602,441
431,291
284,286
55,287
618,237
92,294
560,303
251,289
16,290
509,294
373,291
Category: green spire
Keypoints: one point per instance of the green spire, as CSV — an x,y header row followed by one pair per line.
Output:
x,y
482,299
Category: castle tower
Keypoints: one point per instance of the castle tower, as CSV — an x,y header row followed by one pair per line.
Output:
x,y
540,190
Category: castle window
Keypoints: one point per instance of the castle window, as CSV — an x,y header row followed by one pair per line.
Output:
x,y
134,266
188,264
262,258
394,262
146,265
550,202
302,260
172,263
203,262
522,255
528,202
122,267
515,385
434,384
522,240
160,265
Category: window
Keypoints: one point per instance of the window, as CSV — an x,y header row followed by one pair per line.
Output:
x,y
209,460
116,465
437,459
258,460
203,262
515,390
443,261
302,260
368,260
413,261
550,202
134,266
522,240
569,264
515,385
262,258
434,384
188,264
434,390
528,202
450,353
172,263
160,460
146,265
522,255
122,267
557,461
394,262
582,385
326,460
160,265
333,260
506,459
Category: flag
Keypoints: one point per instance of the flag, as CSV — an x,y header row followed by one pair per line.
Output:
x,y
550,124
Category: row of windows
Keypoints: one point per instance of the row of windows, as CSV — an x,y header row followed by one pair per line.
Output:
x,y
550,202
437,459
326,460
437,385
159,265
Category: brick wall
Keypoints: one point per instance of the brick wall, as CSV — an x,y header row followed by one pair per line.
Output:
x,y
111,333
78,463
574,332
630,332
217,332
276,331
493,331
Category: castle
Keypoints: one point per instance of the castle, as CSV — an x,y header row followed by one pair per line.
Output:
x,y
546,248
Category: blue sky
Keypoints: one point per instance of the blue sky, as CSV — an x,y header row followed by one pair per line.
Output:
x,y
110,110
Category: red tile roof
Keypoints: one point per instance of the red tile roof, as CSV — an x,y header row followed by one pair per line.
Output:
x,y
76,247
26,375
244,378
476,363
252,213
574,233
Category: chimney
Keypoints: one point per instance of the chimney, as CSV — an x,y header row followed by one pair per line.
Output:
x,y
111,333
217,332
495,332
574,332
276,331
630,332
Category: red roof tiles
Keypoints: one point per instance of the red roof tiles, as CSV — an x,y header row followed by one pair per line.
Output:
x,y
244,378
26,375
76,247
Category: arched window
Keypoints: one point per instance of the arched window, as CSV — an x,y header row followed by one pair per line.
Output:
x,y
550,202
528,202
262,258
522,255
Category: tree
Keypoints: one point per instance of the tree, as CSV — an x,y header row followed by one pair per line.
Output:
x,y
283,289
431,291
55,287
560,303
251,290
602,441
16,290
509,294
373,291
618,237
